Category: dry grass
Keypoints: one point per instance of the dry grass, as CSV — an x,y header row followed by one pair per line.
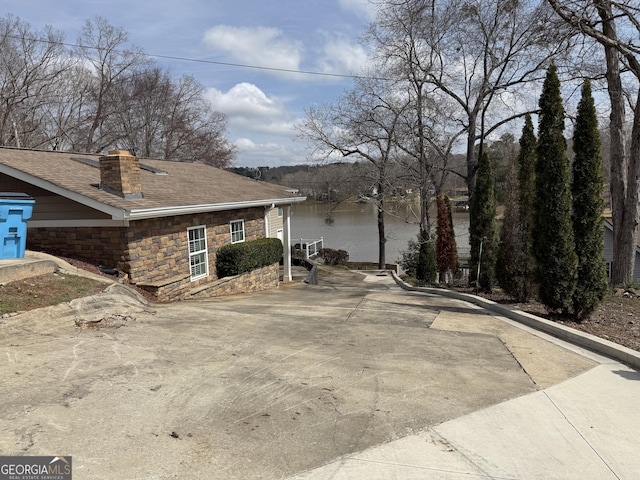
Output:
x,y
45,290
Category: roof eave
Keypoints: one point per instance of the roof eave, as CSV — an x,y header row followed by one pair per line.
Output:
x,y
139,214
116,213
145,213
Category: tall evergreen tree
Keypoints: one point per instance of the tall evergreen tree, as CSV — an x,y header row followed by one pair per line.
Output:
x,y
588,207
508,263
483,236
426,269
447,201
516,265
446,255
553,241
527,159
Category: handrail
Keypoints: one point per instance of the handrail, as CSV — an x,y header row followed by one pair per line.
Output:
x,y
310,247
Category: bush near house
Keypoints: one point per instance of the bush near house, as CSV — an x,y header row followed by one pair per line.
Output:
x,y
334,257
238,258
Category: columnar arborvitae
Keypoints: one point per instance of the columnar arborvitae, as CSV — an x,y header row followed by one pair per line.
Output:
x,y
516,265
588,206
483,236
527,159
447,201
426,269
446,255
553,242
508,264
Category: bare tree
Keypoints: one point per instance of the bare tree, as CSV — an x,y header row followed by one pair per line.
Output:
x,y
31,64
476,52
167,119
63,117
602,20
141,124
427,137
193,131
103,47
399,52
102,95
362,124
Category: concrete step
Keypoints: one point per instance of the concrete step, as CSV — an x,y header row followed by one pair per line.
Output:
x,y
12,270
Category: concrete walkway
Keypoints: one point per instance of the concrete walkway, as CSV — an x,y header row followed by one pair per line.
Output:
x,y
353,378
585,427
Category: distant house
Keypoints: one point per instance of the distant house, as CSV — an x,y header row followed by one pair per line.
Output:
x,y
159,222
608,252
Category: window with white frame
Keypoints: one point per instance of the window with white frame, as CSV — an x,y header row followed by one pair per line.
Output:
x,y
198,256
237,231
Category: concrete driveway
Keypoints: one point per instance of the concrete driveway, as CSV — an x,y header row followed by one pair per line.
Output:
x,y
265,385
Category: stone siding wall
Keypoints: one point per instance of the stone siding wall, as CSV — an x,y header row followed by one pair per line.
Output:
x,y
100,245
159,248
155,252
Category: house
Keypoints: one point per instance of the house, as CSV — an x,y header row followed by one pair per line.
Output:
x,y
608,251
159,222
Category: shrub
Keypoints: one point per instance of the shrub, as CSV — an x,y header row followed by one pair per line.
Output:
x,y
409,260
446,251
427,268
334,257
419,260
238,258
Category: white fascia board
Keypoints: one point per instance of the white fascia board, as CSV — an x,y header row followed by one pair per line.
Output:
x,y
116,213
208,207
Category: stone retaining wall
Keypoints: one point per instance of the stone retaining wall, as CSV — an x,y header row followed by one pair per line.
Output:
x,y
265,278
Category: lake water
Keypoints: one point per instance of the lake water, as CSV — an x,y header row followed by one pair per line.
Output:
x,y
355,229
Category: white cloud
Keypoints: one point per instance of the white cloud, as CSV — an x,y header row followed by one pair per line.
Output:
x,y
260,126
260,46
247,107
343,57
246,100
256,154
270,148
364,8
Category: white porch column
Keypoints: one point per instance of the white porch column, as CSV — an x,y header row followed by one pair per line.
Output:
x,y
286,242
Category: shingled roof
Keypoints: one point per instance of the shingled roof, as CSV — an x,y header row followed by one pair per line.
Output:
x,y
168,188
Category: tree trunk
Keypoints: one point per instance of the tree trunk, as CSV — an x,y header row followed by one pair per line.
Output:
x,y
381,236
472,164
624,170
624,237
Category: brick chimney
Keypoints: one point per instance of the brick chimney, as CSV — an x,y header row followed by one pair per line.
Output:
x,y
120,174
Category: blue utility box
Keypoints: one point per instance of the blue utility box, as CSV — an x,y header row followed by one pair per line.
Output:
x,y
15,209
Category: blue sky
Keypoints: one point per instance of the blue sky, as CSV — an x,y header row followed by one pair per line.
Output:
x,y
261,105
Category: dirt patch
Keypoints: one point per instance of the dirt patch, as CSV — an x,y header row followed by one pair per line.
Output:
x,y
110,321
107,272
